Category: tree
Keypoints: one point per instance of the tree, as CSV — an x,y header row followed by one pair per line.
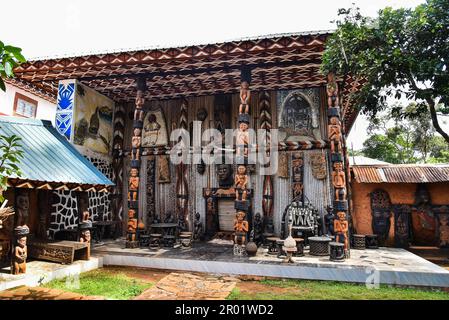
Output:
x,y
10,149
400,53
10,57
397,140
10,155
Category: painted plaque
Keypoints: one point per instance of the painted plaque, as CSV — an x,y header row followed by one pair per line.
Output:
x,y
93,120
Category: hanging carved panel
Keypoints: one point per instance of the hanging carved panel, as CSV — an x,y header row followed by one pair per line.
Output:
x,y
319,165
381,214
402,230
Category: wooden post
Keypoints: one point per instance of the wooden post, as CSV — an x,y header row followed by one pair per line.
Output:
x,y
134,213
339,178
182,193
241,179
268,190
117,167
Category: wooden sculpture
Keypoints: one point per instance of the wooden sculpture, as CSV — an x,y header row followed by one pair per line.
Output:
x,y
132,225
20,255
136,143
334,132
240,228
341,229
244,97
240,183
339,181
133,185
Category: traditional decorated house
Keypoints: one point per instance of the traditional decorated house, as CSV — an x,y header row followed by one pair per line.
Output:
x,y
55,186
121,111
403,204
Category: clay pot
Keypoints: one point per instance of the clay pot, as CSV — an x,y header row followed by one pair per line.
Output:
x,y
251,248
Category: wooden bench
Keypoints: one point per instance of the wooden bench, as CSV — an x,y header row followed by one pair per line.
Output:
x,y
64,252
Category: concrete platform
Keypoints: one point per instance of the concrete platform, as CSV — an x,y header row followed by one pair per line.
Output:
x,y
385,265
39,272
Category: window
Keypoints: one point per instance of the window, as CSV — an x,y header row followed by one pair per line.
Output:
x,y
24,106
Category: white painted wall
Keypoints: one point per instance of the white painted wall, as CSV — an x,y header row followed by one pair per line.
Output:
x,y
45,109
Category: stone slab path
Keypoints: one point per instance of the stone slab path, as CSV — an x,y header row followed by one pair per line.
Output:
x,y
186,286
38,293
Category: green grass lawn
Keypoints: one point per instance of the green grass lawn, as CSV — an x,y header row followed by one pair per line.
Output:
x,y
326,290
110,284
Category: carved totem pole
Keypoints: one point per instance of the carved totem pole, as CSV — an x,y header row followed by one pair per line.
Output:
x,y
182,194
336,140
241,178
268,190
133,182
117,165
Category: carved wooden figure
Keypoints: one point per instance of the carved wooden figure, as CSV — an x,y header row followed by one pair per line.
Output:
x,y
240,228
244,97
334,133
332,91
133,185
132,225
341,229
339,181
241,183
242,140
20,255
136,143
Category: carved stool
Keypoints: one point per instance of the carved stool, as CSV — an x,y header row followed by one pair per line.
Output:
x,y
186,239
319,246
168,240
144,240
358,241
299,247
272,247
371,241
132,244
337,251
155,240
265,236
279,245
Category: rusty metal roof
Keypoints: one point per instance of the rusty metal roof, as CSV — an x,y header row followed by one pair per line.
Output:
x,y
401,173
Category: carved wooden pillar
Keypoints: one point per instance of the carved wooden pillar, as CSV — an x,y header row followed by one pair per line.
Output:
x,y
268,190
117,166
182,192
134,213
241,178
336,140
298,176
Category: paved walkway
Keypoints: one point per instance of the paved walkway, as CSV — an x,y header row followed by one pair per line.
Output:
x,y
38,293
185,286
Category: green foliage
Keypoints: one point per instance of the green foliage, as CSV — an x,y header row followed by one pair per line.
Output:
x,y
328,290
10,154
404,136
402,53
10,57
102,282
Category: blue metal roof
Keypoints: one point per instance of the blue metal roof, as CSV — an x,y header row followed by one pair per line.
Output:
x,y
48,156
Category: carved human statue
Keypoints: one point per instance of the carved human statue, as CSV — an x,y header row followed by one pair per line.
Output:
x,y
341,229
224,172
240,228
132,225
240,183
339,181
136,142
332,91
22,209
242,140
244,97
329,220
133,185
20,255
334,133
197,227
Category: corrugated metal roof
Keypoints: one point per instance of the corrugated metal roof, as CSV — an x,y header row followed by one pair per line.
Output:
x,y
48,156
401,173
